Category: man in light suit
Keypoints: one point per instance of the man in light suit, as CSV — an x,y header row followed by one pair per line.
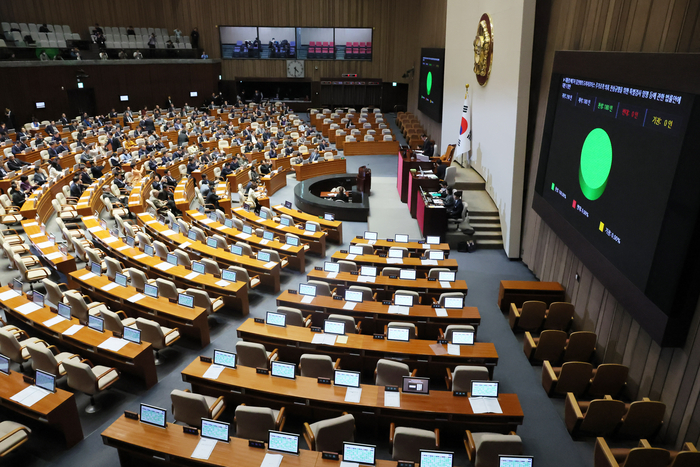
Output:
x,y
314,156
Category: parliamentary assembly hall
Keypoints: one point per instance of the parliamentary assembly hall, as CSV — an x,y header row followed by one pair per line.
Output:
x,y
344,233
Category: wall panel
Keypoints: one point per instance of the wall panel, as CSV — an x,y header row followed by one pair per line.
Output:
x,y
666,374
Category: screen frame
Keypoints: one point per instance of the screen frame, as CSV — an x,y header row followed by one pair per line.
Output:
x,y
9,363
374,452
216,422
275,363
438,452
284,319
285,434
235,357
426,381
93,318
165,418
53,379
359,378
131,330
514,456
498,388
394,329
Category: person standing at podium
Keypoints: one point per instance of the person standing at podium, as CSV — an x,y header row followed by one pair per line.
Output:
x,y
427,146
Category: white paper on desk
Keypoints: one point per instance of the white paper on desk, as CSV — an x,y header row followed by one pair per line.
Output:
x,y
269,265
286,246
55,320
87,276
8,294
307,299
136,298
204,449
142,255
309,233
36,235
353,395
392,399
73,329
243,236
54,255
191,276
366,278
221,227
438,349
28,308
123,247
185,244
29,224
114,344
223,283
349,305
331,275
349,464
94,229
394,261
167,233
350,257
109,286
440,311
164,266
426,246
44,244
445,285
213,371
318,339
485,405
399,310
329,339
30,396
206,221
429,262
453,349
272,460
110,239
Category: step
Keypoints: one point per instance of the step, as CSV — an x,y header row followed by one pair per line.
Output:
x,y
489,244
488,235
469,186
490,227
490,215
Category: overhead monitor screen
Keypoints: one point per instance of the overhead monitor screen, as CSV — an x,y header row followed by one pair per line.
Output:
x,y
432,70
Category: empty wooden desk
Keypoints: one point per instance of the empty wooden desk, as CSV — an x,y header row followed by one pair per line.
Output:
x,y
334,229
274,182
517,292
413,247
421,265
322,167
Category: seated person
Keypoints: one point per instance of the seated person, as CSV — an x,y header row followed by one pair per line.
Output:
x,y
24,184
14,163
265,167
17,195
168,179
138,175
456,211
342,195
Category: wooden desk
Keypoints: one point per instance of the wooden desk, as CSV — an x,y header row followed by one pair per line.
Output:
x,y
413,247
432,220
235,295
374,315
315,240
415,183
191,322
408,263
370,148
439,409
274,182
57,410
362,351
49,253
518,292
315,169
406,162
91,199
334,229
294,254
132,359
269,272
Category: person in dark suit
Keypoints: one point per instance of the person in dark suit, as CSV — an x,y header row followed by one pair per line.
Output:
x,y
427,146
17,148
18,196
168,179
314,156
63,120
441,169
14,163
265,167
192,166
456,211
342,195
84,175
182,138
76,187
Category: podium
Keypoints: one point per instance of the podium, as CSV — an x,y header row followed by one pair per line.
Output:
x,y
364,179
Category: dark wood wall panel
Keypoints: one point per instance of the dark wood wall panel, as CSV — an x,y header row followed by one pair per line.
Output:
x,y
670,375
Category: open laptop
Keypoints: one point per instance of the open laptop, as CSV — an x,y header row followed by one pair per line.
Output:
x,y
436,255
348,379
228,223
148,249
514,461
171,259
247,230
284,442
269,236
432,240
415,385
185,300
276,319
228,275
263,256
484,389
236,250
285,222
212,429
198,267
283,370
212,243
309,227
363,454
356,250
393,253
150,290
294,241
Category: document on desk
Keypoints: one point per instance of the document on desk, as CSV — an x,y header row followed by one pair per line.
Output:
x,y
8,294
213,371
353,395
426,246
54,255
136,298
485,405
341,340
429,262
73,329
223,283
114,344
94,229
349,305
55,320
394,261
365,278
350,257
323,339
37,235
332,275
272,460
28,308
206,221
109,286
221,227
453,349
286,246
399,310
269,265
167,233
30,224
88,276
185,244
243,236
264,241
307,299
30,396
440,311
438,349
204,449
191,276
392,399
110,239
142,255
445,285
349,464
309,233
164,266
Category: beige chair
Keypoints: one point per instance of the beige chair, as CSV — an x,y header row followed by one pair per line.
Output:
x,y
167,289
461,378
315,366
483,448
434,273
390,271
80,308
49,359
31,275
254,355
159,336
13,345
116,321
347,266
190,408
391,373
67,211
580,347
114,267
599,417
13,252
53,293
256,422
571,377
89,379
12,435
406,443
329,435
368,295
212,267
642,456
322,288
161,251
549,346
183,259
528,318
294,316
350,326
12,238
276,258
242,275
202,299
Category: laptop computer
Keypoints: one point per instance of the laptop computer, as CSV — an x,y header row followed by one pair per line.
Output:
x,y
307,289
185,300
371,236
447,276
334,327
198,267
403,300
368,271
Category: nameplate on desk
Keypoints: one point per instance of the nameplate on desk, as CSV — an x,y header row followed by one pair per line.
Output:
x,y
406,464
379,336
131,415
345,252
316,329
262,371
256,444
391,388
333,456
432,279
442,341
322,380
382,255
355,273
337,297
259,320
393,277
28,379
389,239
386,302
204,359
318,268
460,393
292,291
436,305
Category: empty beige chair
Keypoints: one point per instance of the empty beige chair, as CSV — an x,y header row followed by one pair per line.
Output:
x,y
347,266
84,377
413,293
549,346
435,272
275,257
483,448
80,308
14,345
115,322
315,366
599,417
368,294
202,299
139,279
294,316
66,211
406,443
48,359
350,326
220,241
190,408
390,271
183,259
412,331
643,419
559,316
245,248
445,295
53,293
242,275
159,336
114,267
322,288
142,240
391,373
571,377
461,378
642,456
13,252
161,250
528,318
367,249
254,355
256,422
211,267
580,347
12,435
167,289
329,435
31,275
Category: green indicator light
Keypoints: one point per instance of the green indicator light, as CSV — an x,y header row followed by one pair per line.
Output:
x,y
596,162
429,82
552,186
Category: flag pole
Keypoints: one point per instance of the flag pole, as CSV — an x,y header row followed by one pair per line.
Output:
x,y
466,93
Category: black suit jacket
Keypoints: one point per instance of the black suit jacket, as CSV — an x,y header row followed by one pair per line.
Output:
x,y
428,148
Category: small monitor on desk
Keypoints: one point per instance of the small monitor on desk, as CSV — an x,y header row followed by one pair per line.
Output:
x,y
401,238
395,253
223,358
415,385
371,236
463,337
4,364
212,243
96,268
263,215
285,221
334,327
368,271
398,334
484,388
330,266
237,250
436,458
353,296
38,298
247,230
150,290
98,324
309,227
288,204
228,275
356,250
263,256
514,461
283,370
284,442
432,240
228,223
294,241
213,429
192,235
175,228
436,255
45,381
363,454
454,302
329,217
407,274
198,267
447,276
403,300
172,259
132,335
17,286
185,300
348,379
130,241
152,415
267,235
276,319
64,310
307,289
149,250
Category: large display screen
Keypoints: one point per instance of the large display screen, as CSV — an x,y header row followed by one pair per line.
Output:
x,y
432,72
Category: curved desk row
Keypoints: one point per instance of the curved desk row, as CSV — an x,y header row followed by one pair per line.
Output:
x,y
324,167
413,247
334,229
307,198
421,265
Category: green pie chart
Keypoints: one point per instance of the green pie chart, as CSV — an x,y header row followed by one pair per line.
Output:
x,y
596,162
429,81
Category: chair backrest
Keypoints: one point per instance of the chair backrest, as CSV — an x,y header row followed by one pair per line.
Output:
x,y
247,249
113,267
463,375
492,445
445,295
574,378
254,422
211,266
183,258
322,288
80,376
42,359
367,293
580,346
294,315
602,416
251,354
647,457
532,315
409,441
550,345
347,266
138,279
9,346
686,459
314,366
151,332
166,288
350,327
78,306
160,249
608,379
391,373
642,420
457,327
559,316
189,408
435,272
450,174
331,433
390,271
53,291
112,321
